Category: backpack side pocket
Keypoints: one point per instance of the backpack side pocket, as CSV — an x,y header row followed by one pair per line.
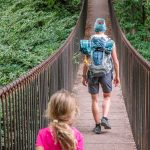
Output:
x,y
97,57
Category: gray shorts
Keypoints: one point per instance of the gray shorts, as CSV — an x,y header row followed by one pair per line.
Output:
x,y
105,81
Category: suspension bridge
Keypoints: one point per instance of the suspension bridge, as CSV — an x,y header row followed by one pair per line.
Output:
x,y
23,102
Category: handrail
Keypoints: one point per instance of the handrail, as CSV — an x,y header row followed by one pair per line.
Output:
x,y
131,48
141,59
43,64
135,84
23,102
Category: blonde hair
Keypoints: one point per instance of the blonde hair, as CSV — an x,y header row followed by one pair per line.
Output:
x,y
62,109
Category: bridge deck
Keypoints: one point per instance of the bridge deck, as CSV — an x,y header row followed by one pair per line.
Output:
x,y
120,136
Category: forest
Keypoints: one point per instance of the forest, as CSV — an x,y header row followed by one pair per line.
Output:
x,y
134,19
30,31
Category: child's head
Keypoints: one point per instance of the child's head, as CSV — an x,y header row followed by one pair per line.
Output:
x,y
62,107
100,25
61,110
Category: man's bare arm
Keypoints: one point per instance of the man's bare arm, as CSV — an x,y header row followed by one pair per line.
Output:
x,y
116,66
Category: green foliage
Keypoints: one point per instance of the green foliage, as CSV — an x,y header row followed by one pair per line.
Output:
x,y
51,2
30,31
76,58
70,5
140,44
134,18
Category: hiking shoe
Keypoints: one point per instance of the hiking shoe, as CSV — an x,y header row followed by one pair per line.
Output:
x,y
97,129
105,123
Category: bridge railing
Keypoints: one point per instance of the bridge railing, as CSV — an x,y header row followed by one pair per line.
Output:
x,y
23,101
135,83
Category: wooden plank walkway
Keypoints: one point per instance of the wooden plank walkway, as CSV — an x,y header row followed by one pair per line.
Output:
x,y
120,136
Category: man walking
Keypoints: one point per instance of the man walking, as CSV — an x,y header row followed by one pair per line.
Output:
x,y
94,74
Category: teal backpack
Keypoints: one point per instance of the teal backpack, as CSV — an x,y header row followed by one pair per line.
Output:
x,y
85,47
99,49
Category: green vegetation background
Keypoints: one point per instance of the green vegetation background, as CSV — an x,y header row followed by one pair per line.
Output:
x,y
30,31
134,19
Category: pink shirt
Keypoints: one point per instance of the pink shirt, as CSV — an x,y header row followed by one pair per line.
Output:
x,y
45,139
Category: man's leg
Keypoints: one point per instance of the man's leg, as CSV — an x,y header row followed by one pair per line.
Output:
x,y
106,83
105,110
96,114
93,88
95,108
106,104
